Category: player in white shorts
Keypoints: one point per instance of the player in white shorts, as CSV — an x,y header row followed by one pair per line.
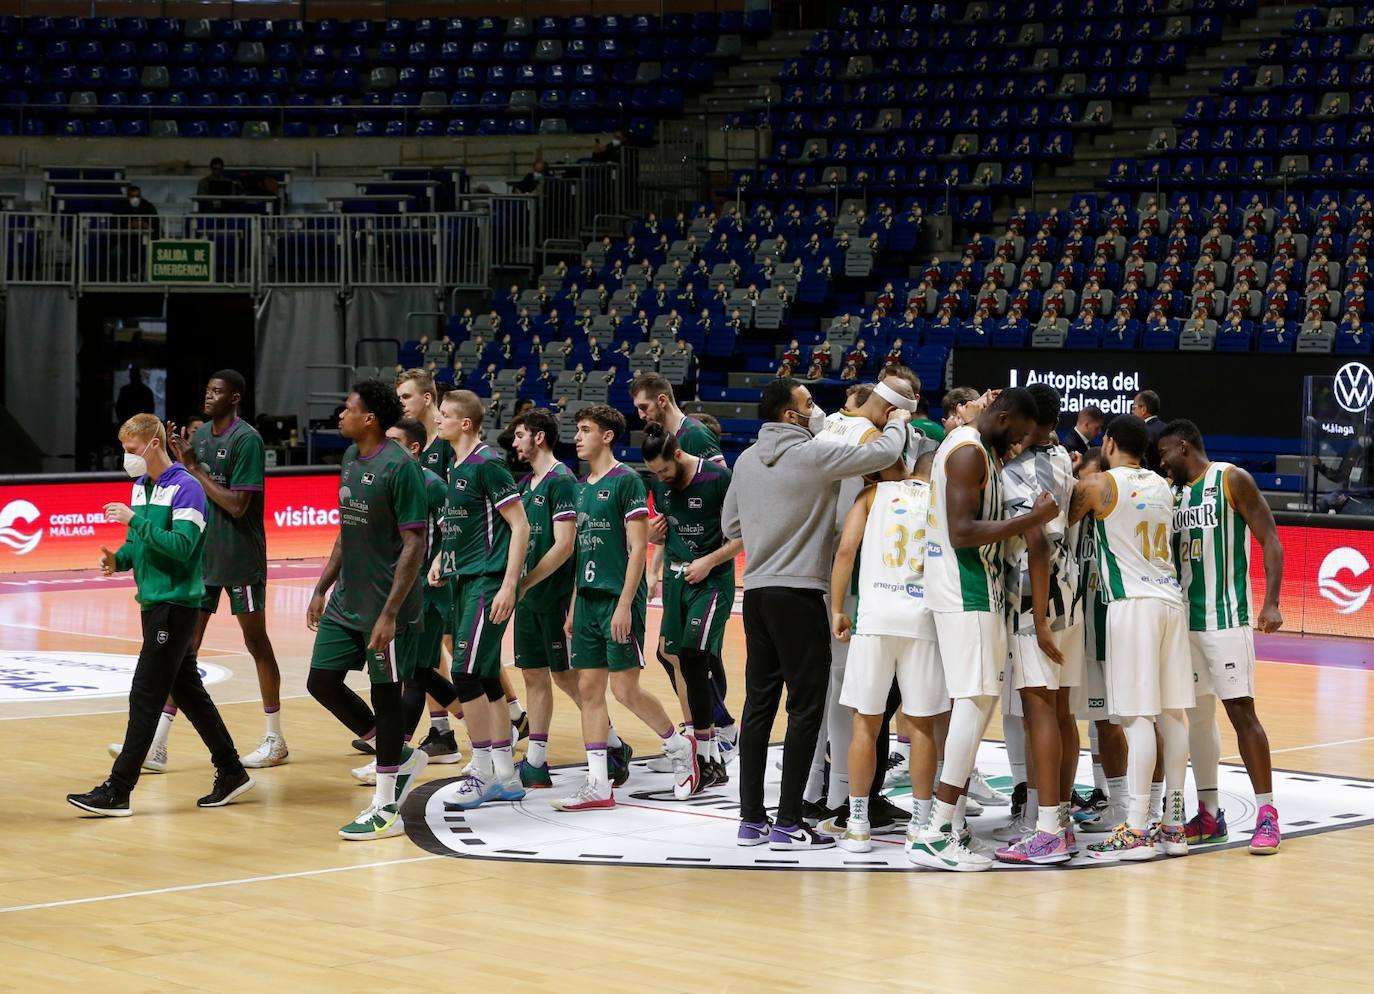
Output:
x,y
892,638
1040,581
1219,506
1149,677
964,532
1106,806
857,424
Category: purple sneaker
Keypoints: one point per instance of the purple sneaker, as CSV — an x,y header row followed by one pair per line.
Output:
x,y
753,833
1039,848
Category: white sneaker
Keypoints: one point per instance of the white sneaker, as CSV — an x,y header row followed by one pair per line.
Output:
x,y
366,774
154,762
591,796
1107,819
1015,830
686,772
660,764
406,776
271,751
985,793
943,851
898,776
972,808
856,837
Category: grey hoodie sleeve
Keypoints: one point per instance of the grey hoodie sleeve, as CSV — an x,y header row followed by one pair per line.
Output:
x,y
729,512
838,461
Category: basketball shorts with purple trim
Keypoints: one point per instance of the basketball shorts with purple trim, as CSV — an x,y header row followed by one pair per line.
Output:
x,y
476,640
593,647
694,614
340,648
540,643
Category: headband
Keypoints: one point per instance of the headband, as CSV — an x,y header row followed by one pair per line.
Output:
x,y
894,398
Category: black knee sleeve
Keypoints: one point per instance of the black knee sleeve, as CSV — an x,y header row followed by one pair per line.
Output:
x,y
494,691
696,674
437,687
386,702
668,668
467,687
328,687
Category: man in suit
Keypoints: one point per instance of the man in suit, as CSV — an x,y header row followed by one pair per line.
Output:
x,y
1079,438
1146,407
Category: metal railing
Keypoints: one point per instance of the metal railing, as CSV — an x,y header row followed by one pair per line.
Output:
x,y
252,253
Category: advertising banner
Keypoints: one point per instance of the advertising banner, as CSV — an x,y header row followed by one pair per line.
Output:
x,y
61,526
1328,579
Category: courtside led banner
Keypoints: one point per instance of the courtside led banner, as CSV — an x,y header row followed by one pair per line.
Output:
x,y
1328,580
61,526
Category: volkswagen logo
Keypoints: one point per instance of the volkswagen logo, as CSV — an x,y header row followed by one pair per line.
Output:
x,y
1354,387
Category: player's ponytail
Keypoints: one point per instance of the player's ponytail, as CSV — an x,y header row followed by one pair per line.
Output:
x,y
658,443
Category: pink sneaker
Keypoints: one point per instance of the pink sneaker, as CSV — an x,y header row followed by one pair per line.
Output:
x,y
1266,839
1039,848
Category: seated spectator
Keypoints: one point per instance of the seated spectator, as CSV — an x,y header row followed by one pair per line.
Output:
x,y
789,360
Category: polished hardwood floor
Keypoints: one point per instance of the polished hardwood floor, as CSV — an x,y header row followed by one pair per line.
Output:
x,y
262,896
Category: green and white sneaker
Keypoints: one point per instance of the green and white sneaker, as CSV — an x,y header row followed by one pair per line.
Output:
x,y
374,823
941,849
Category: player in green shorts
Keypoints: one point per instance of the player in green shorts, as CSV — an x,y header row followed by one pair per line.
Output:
x,y
419,397
541,647
225,456
379,554
698,582
483,550
606,625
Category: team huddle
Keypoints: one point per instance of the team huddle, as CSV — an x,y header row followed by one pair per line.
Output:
x,y
990,565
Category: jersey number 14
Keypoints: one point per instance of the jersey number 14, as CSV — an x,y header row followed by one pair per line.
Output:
x,y
1160,541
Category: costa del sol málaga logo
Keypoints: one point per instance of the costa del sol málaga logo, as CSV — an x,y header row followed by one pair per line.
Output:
x,y
22,542
1348,596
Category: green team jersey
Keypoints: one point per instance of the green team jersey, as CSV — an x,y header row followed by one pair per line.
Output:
x,y
603,507
476,536
436,496
552,499
694,516
437,457
380,496
166,538
1212,551
235,548
695,439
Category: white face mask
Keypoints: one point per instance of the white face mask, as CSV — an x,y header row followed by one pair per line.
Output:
x,y
136,465
135,201
816,423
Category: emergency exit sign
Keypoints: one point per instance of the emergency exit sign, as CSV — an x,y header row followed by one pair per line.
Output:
x,y
181,261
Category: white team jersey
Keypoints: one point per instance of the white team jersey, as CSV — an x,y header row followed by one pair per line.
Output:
x,y
1048,469
849,429
1212,548
963,579
1135,556
892,561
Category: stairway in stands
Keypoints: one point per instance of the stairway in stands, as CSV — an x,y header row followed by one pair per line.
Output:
x,y
1131,127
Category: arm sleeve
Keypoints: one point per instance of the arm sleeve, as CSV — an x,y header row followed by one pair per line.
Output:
x,y
837,460
562,498
499,483
633,502
729,512
188,521
408,499
246,471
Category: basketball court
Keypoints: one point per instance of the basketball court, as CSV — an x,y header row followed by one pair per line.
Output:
x,y
263,895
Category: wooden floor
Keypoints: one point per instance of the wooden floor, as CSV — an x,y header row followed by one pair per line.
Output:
x,y
262,896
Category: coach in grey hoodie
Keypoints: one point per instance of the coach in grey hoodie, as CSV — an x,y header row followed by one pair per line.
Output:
x,y
782,503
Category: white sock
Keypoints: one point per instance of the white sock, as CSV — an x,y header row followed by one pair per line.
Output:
x,y
1047,819
858,809
1099,777
164,729
713,748
439,721
959,819
596,766
1117,790
386,790
674,742
1262,799
1209,798
920,811
941,816
1173,811
513,706
1140,764
273,721
1156,800
612,739
1032,806
903,749
538,752
1014,734
502,763
939,768
481,762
